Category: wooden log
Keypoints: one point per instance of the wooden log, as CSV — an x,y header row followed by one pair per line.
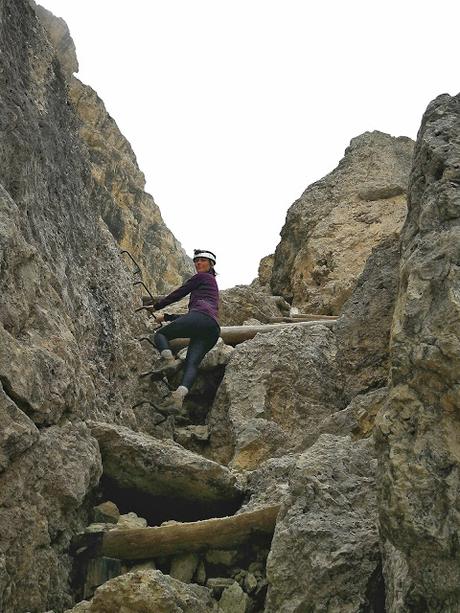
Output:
x,y
234,335
218,533
299,318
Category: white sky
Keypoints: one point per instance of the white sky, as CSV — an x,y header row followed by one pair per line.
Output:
x,y
233,107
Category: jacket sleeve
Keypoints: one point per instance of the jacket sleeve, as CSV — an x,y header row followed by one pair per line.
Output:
x,y
178,293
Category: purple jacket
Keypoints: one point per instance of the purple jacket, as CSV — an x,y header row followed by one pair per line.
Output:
x,y
204,295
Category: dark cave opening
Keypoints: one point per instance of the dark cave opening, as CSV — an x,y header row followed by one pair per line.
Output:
x,y
158,509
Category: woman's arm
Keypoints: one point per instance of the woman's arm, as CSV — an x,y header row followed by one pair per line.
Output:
x,y
178,293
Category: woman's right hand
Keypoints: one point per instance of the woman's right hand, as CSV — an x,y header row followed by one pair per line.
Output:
x,y
159,317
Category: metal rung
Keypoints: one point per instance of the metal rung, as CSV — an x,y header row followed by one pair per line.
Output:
x,y
138,268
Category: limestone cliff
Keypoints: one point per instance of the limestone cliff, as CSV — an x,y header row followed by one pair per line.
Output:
x,y
130,213
331,230
67,328
419,452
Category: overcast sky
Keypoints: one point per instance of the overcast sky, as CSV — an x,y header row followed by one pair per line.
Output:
x,y
233,107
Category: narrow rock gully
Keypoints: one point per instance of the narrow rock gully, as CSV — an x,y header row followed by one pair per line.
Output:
x,y
166,504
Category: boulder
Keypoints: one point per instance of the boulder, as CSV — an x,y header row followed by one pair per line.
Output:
x,y
277,388
331,230
245,302
130,521
325,551
149,592
418,431
162,469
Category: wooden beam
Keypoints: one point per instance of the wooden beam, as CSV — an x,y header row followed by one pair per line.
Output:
x,y
300,318
234,335
218,533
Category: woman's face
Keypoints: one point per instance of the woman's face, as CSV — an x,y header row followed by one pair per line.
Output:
x,y
202,264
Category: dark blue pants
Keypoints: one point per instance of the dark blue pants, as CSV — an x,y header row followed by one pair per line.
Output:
x,y
203,332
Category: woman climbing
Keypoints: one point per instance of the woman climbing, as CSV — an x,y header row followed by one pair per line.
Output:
x,y
200,324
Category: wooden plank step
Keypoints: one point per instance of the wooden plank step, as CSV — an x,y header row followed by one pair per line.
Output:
x,y
216,533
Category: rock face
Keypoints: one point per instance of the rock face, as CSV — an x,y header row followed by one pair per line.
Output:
x,y
60,38
333,548
331,230
363,328
41,500
131,214
67,328
419,452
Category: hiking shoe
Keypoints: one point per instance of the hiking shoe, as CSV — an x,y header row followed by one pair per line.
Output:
x,y
174,403
167,368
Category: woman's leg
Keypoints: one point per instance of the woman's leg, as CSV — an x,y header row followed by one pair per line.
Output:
x,y
180,328
197,349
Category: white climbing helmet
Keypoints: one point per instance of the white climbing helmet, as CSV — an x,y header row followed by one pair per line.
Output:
x,y
202,253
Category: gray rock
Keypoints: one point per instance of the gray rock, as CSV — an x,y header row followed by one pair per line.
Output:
x,y
200,575
221,557
61,40
264,274
183,567
151,592
130,521
99,527
219,355
268,485
82,607
218,584
363,328
17,431
246,302
130,214
330,231
357,419
398,583
277,388
418,430
162,468
233,599
250,583
100,570
325,550
106,512
42,504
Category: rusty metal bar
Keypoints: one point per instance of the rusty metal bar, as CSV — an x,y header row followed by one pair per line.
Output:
x,y
138,268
